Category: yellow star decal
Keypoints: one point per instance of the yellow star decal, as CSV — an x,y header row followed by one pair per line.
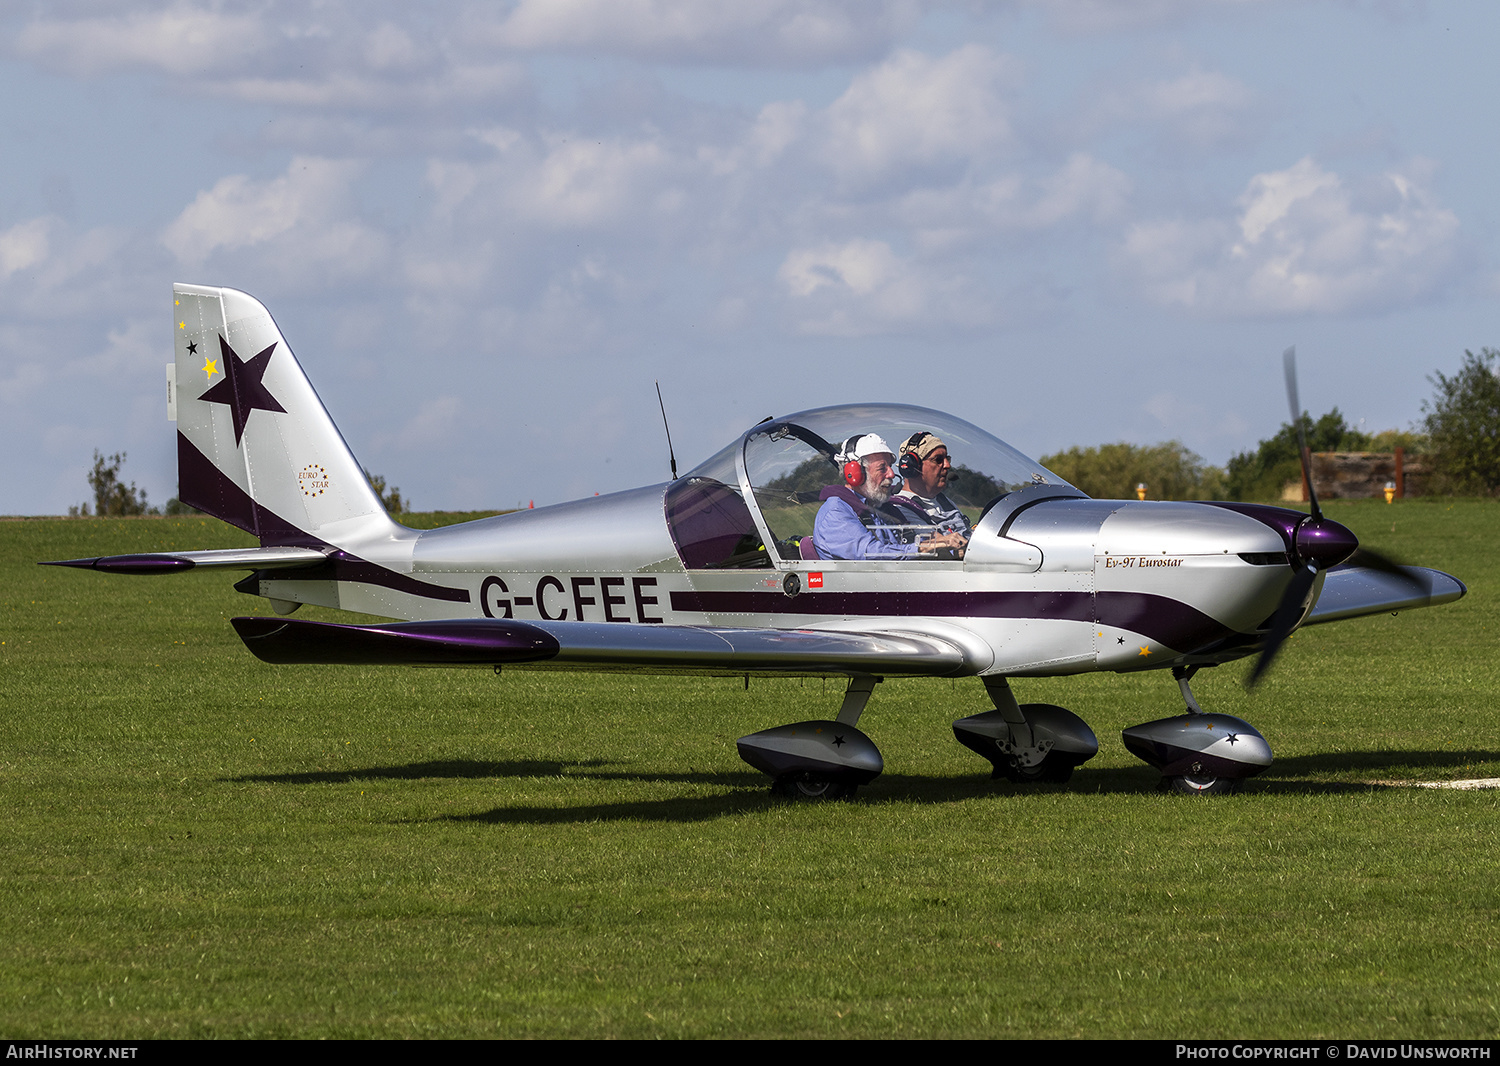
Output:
x,y
210,367
1145,651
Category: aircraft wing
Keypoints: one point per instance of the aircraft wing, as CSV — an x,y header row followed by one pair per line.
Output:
x,y
222,558
1351,591
604,645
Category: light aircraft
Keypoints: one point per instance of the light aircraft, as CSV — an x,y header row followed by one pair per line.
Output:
x,y
719,572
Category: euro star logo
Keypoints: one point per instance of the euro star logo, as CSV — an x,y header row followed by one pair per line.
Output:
x,y
314,479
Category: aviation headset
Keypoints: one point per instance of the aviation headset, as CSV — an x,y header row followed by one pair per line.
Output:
x,y
854,469
911,463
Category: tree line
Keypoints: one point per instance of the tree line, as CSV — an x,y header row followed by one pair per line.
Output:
x,y
1458,436
113,498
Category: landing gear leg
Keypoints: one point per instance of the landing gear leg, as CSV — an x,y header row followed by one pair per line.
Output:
x,y
1184,674
1030,743
855,697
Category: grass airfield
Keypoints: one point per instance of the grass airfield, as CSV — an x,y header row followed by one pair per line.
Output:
x,y
197,844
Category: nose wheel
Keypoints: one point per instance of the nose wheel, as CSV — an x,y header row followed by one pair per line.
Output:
x,y
1199,754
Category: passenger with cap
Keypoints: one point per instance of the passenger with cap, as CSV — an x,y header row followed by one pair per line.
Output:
x,y
925,467
856,520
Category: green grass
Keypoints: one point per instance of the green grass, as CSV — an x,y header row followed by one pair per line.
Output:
x,y
198,844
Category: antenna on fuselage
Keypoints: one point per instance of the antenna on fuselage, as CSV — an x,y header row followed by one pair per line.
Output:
x,y
670,456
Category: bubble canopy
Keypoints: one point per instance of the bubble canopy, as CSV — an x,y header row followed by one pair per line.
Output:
x,y
779,467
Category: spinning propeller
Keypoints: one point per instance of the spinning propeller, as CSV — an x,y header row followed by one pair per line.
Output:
x,y
1318,544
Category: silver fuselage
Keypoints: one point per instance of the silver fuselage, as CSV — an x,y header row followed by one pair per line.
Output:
x,y
1052,583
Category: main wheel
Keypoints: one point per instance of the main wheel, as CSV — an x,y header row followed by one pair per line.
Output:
x,y
811,788
1050,771
1202,785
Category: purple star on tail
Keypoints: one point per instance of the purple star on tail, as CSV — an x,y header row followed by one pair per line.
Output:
x,y
241,388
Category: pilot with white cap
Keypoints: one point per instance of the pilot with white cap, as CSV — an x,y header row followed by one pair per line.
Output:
x,y
855,521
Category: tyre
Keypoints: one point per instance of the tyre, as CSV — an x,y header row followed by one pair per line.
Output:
x,y
811,788
1202,785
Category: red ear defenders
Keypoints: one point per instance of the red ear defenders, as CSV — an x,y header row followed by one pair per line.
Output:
x,y
911,463
854,469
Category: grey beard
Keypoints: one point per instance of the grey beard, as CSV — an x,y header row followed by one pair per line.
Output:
x,y
879,494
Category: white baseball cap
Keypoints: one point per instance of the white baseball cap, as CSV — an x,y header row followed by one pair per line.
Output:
x,y
866,445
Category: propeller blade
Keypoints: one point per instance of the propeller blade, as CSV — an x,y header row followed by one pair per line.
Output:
x,y
1319,544
1289,365
1288,614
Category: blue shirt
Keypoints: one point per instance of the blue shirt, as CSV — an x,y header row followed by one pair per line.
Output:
x,y
842,532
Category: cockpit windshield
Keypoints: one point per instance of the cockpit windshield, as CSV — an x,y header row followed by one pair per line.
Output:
x,y
790,462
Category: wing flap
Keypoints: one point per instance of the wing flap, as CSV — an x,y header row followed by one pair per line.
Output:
x,y
601,645
217,559
1349,592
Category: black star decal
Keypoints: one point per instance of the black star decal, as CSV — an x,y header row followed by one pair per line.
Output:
x,y
1233,738
838,742
241,388
1121,640
192,347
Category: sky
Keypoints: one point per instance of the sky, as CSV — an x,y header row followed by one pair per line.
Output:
x,y
488,230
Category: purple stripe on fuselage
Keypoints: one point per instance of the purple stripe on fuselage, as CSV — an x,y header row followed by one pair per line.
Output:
x,y
348,567
1164,620
1076,606
1161,618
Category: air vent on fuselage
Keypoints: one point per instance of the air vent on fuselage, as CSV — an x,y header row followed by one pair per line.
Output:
x,y
1265,558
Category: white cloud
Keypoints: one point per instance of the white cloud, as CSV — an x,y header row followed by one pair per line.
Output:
x,y
589,182
914,110
1302,242
1200,108
393,89
24,245
304,216
1082,189
774,31
1103,16
389,47
860,266
181,39
50,271
862,287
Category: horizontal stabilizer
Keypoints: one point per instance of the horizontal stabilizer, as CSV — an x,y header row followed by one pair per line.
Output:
x,y
219,559
1352,591
602,645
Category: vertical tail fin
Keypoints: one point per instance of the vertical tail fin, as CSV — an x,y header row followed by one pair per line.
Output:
x,y
255,445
